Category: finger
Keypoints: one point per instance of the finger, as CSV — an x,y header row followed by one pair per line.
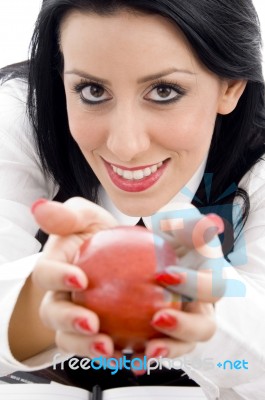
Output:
x,y
74,216
99,345
65,248
181,251
183,224
134,361
56,275
162,348
184,326
59,313
197,233
198,307
138,367
206,286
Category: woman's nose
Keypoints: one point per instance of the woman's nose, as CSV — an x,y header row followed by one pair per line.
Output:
x,y
127,135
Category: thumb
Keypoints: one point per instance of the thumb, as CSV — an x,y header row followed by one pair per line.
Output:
x,y
76,215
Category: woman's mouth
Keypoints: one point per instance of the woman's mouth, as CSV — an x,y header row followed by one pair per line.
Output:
x,y
136,179
138,173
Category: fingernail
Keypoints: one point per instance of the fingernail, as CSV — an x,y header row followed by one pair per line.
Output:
x,y
37,203
164,321
112,363
73,282
139,372
82,325
169,278
100,348
158,352
219,223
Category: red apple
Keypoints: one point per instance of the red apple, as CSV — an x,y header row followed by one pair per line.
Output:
x,y
121,263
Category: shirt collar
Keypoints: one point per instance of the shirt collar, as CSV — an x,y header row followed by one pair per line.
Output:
x,y
185,195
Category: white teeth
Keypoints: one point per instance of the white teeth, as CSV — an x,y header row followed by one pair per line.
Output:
x,y
137,174
147,171
128,175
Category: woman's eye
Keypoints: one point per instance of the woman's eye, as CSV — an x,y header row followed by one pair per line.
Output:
x,y
94,94
164,94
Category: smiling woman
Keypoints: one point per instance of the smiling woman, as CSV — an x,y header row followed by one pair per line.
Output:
x,y
127,110
123,114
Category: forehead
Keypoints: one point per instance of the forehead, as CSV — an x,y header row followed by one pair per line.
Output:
x,y
122,32
120,18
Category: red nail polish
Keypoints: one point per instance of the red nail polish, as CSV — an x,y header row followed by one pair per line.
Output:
x,y
218,222
37,203
100,348
169,278
164,321
83,325
73,282
159,352
139,372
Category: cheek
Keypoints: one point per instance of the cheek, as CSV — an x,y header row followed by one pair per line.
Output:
x,y
87,131
186,129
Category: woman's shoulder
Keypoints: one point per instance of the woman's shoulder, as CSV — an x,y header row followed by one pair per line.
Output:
x,y
17,138
13,103
16,131
14,89
253,182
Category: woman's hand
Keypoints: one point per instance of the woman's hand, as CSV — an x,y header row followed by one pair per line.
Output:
x,y
77,328
200,272
69,224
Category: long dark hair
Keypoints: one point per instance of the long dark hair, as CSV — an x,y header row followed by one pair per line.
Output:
x,y
226,36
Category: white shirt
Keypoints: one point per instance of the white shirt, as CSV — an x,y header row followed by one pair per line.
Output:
x,y
241,320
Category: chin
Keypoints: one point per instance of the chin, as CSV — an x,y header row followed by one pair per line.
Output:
x,y
139,204
140,211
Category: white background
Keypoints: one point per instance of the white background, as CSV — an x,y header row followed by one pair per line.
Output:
x,y
17,18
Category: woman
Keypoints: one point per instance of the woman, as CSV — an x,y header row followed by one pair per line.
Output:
x,y
130,103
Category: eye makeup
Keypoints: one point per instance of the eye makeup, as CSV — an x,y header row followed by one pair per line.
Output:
x,y
164,97
79,88
171,86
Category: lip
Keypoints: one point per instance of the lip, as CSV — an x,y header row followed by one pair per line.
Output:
x,y
135,185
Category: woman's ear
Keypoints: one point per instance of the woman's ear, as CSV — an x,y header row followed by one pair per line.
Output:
x,y
232,91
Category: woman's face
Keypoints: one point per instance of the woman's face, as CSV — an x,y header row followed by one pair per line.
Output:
x,y
141,107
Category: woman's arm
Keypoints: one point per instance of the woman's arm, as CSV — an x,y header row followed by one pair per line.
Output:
x,y
21,335
26,323
56,277
240,334
21,182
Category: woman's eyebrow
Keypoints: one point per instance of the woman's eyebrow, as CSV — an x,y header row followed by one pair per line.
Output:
x,y
145,79
164,73
85,75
